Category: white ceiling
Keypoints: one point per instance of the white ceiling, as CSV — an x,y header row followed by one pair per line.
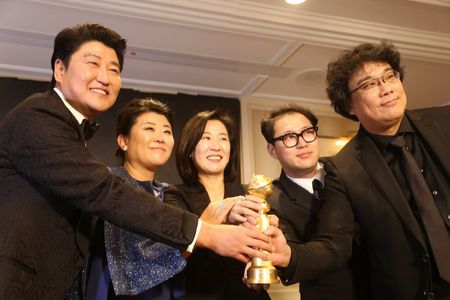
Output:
x,y
238,48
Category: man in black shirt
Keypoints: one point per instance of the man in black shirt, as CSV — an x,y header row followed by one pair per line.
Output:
x,y
398,194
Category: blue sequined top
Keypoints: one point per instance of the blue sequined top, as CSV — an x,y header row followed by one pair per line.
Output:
x,y
135,263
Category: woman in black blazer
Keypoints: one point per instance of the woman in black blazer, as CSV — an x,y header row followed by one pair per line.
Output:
x,y
207,160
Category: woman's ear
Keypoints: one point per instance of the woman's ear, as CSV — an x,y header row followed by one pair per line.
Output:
x,y
122,141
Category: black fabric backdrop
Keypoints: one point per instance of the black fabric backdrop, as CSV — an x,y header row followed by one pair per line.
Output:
x,y
103,144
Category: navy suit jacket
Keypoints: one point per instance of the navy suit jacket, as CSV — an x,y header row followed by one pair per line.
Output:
x,y
51,186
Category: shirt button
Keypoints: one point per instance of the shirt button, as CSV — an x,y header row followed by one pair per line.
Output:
x,y
421,170
435,193
448,217
426,258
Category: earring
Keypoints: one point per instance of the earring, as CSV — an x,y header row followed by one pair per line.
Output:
x,y
125,148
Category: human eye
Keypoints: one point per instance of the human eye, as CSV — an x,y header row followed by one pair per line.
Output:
x,y
167,131
309,131
115,71
390,77
368,85
93,63
289,136
150,128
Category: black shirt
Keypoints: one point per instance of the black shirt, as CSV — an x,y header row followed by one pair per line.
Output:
x,y
434,175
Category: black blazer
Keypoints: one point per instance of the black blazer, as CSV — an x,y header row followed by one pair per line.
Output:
x,y
296,209
50,187
209,275
360,186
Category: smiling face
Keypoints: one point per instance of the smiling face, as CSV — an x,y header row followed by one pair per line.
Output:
x,y
299,161
148,145
212,153
91,81
379,110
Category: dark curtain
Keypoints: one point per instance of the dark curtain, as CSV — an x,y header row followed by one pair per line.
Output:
x,y
13,90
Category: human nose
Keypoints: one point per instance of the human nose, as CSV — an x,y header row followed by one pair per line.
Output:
x,y
214,144
102,76
158,137
383,87
301,142
382,82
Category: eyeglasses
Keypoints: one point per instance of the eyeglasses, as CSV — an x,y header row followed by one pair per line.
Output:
x,y
390,77
291,139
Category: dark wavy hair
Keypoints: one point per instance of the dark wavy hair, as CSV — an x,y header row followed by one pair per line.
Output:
x,y
70,39
268,123
131,110
191,135
342,69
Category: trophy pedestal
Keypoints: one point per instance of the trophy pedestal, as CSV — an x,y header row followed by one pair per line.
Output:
x,y
262,272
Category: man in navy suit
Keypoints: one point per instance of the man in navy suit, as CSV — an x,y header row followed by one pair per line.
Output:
x,y
291,133
51,185
369,182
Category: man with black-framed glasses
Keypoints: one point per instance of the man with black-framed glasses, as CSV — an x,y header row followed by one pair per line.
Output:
x,y
292,139
392,178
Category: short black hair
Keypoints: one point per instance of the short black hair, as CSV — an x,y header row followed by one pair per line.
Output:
x,y
70,39
268,123
131,110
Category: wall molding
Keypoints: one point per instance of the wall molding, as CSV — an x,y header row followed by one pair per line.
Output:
x,y
238,17
249,18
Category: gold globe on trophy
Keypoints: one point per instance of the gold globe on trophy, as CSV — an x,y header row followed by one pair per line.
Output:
x,y
261,271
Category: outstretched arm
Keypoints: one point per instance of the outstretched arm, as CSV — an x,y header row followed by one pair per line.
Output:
x,y
234,241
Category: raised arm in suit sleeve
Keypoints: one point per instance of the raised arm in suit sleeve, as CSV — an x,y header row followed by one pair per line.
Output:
x,y
43,144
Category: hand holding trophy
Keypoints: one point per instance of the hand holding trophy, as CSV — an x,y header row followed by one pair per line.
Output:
x,y
261,271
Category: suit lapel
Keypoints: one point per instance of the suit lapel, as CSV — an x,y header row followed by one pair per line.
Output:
x,y
385,181
297,194
85,225
197,198
65,114
431,133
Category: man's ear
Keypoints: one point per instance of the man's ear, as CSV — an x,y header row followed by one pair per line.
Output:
x,y
122,141
350,107
60,70
271,150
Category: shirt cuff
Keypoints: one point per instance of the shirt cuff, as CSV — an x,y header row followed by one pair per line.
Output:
x,y
190,248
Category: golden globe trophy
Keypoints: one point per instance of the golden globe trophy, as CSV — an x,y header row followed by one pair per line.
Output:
x,y
261,271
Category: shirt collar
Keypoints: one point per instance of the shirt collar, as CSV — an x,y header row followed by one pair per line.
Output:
x,y
382,141
78,116
306,183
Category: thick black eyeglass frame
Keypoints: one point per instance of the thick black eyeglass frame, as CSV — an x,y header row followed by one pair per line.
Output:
x,y
298,135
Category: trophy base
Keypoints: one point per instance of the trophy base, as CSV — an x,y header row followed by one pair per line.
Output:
x,y
257,275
